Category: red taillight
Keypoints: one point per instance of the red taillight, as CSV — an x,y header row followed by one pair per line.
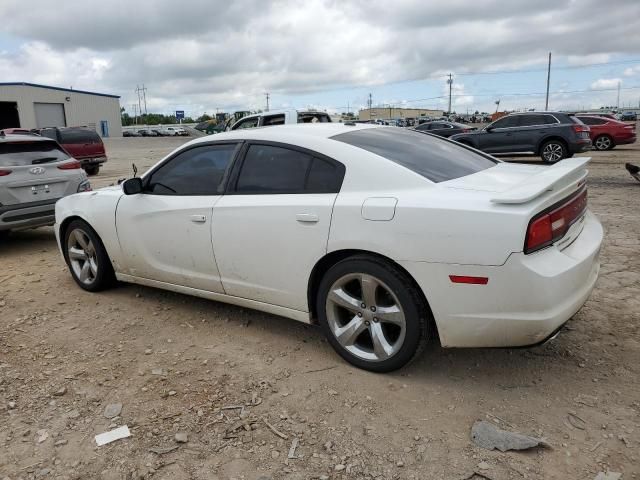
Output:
x,y
468,279
581,128
552,225
70,165
4,173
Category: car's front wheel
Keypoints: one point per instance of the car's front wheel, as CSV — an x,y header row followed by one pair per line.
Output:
x,y
372,314
87,258
553,151
603,142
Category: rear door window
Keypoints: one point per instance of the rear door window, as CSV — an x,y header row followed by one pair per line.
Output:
x,y
532,120
30,153
434,158
247,123
269,169
79,136
313,117
507,122
269,120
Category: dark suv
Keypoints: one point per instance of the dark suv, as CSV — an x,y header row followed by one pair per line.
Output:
x,y
552,135
82,143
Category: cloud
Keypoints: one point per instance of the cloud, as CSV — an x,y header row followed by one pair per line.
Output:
x,y
209,54
631,71
605,83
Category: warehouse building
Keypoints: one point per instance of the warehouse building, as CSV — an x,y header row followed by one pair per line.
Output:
x,y
27,105
388,113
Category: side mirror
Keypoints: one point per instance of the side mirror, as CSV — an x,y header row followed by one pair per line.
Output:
x,y
489,129
132,186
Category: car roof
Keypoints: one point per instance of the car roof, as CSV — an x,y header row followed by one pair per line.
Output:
x,y
21,137
281,132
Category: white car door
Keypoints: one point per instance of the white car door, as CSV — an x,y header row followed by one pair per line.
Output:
x,y
165,232
272,225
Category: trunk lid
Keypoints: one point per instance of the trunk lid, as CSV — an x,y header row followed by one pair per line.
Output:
x,y
34,175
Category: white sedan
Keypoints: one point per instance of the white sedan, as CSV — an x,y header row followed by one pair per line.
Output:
x,y
386,238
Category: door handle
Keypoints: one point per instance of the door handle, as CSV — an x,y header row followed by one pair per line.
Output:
x,y
198,218
307,218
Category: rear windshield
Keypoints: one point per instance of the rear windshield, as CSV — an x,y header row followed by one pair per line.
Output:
x,y
30,153
79,136
434,158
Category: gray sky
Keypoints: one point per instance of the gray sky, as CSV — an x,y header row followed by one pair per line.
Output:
x,y
201,55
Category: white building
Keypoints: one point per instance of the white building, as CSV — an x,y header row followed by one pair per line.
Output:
x,y
27,105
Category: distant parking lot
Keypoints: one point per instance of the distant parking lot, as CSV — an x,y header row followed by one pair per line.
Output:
x,y
239,385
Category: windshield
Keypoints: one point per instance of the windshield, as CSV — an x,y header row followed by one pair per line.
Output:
x,y
30,153
432,157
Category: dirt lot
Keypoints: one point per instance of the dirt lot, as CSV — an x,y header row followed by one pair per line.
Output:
x,y
183,365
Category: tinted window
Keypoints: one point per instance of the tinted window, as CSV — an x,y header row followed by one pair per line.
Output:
x,y
592,121
248,123
324,177
531,120
273,120
423,126
549,120
268,169
434,158
198,171
30,153
506,122
79,136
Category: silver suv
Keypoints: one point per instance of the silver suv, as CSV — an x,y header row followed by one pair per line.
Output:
x,y
34,173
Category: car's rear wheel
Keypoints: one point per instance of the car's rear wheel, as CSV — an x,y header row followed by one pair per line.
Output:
x,y
372,314
92,169
553,151
603,142
87,258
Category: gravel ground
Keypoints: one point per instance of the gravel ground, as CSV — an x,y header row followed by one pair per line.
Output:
x,y
212,391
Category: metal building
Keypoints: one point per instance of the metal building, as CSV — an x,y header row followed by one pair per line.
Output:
x,y
27,105
388,113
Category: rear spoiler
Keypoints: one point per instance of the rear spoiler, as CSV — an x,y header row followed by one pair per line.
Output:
x,y
545,181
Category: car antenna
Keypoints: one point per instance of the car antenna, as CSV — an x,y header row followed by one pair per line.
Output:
x,y
135,170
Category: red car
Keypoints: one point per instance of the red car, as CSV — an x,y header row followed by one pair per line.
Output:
x,y
606,133
82,143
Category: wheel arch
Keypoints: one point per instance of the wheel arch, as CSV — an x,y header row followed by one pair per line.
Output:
x,y
63,229
330,259
549,138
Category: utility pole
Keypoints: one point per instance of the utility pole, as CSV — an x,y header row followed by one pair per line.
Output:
x,y
138,90
135,113
450,82
267,95
546,104
144,97
370,103
618,100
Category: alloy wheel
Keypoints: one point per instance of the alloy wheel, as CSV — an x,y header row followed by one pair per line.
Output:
x,y
366,317
82,256
603,143
552,152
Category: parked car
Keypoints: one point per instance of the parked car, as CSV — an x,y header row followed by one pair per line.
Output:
x,y
130,133
280,117
629,116
607,133
16,131
552,135
172,131
145,132
384,236
156,132
612,116
35,172
443,129
82,143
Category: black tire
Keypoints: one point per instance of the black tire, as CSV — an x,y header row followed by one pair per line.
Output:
x,y
603,142
104,276
4,234
92,169
553,151
417,316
